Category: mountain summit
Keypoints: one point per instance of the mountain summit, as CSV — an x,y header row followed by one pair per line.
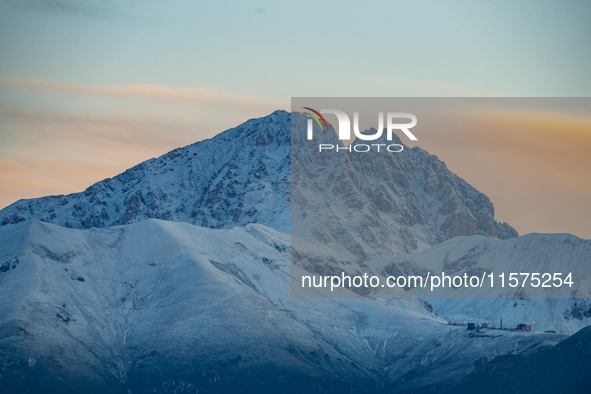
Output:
x,y
406,202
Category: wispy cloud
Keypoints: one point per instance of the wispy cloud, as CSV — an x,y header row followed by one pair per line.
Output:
x,y
59,153
93,129
145,92
74,7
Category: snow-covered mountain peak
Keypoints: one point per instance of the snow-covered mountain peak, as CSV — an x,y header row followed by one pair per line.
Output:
x,y
175,275
407,201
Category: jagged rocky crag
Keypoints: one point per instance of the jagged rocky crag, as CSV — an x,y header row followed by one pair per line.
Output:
x,y
375,204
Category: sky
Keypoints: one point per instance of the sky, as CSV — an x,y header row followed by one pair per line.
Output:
x,y
89,89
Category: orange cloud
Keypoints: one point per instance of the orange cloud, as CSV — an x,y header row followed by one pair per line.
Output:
x,y
92,129
35,177
145,92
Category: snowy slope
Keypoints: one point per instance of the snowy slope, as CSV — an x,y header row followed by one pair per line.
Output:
x,y
157,305
541,253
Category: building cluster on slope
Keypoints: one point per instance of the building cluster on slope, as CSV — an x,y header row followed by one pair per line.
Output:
x,y
477,326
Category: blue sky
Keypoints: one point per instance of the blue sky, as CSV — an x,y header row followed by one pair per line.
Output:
x,y
309,48
89,88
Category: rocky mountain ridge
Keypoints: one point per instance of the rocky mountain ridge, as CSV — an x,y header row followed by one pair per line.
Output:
x,y
406,202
